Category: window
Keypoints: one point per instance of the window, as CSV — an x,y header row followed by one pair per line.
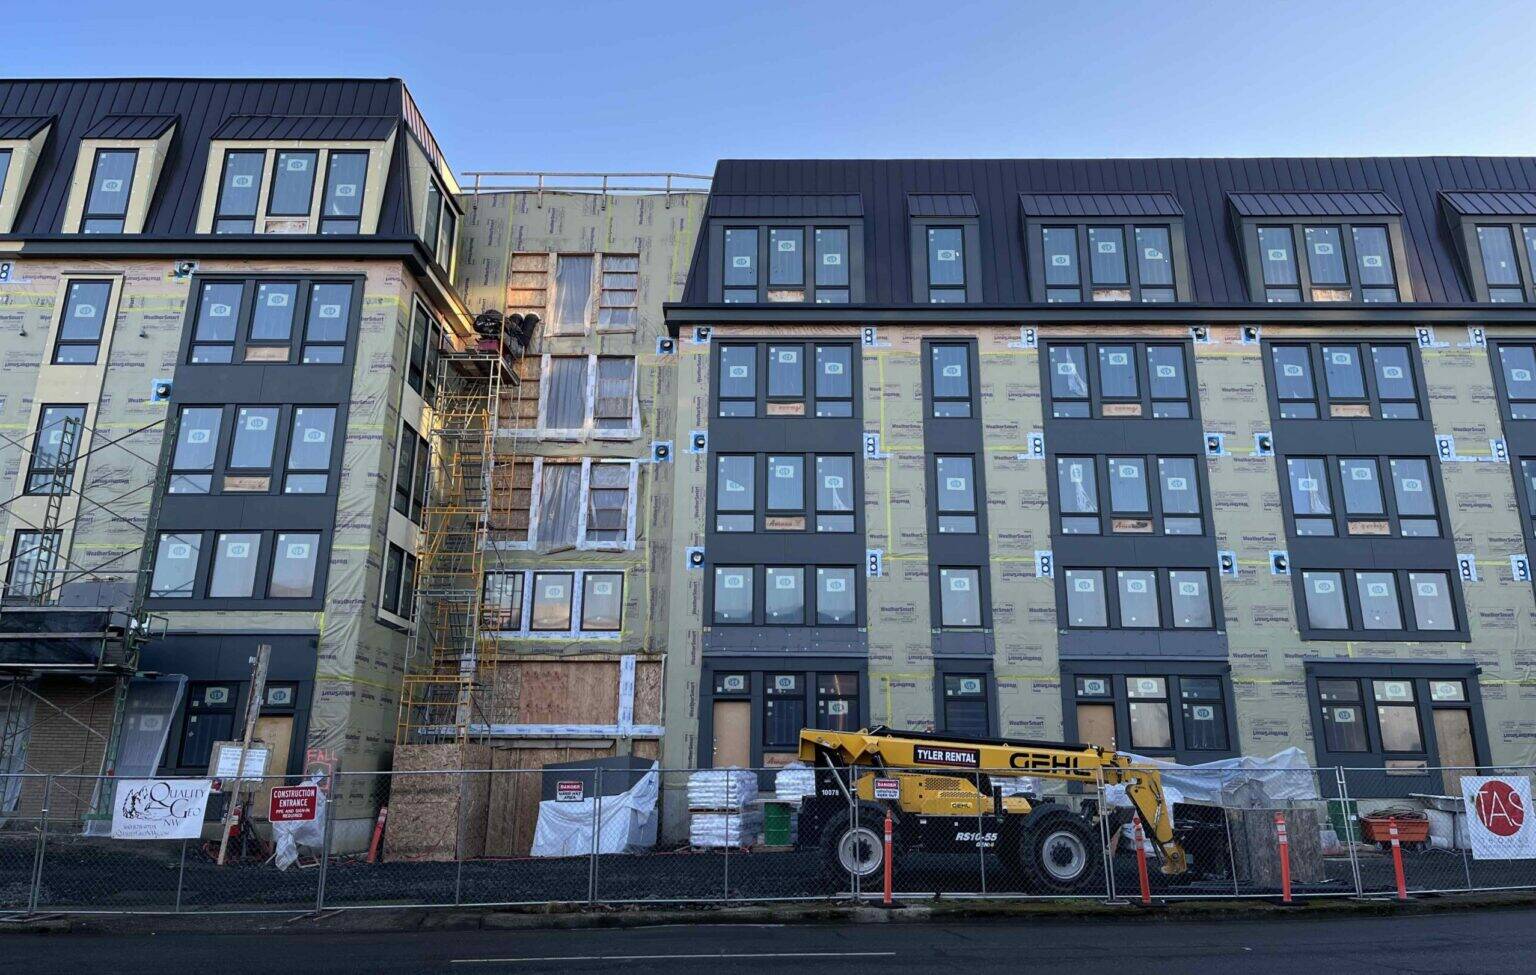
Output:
x,y
1133,504
253,320
786,377
394,569
309,450
1340,262
501,603
407,467
1343,721
965,705
960,598
783,710
106,204
617,306
835,595
735,493
951,379
234,565
251,449
602,601
1402,717
738,380
801,262
5,167
834,493
218,312
1115,273
784,493
565,603
1344,380
552,595
175,569
1501,269
1143,599
82,322
573,291
614,407
440,225
1117,380
783,367
294,560
1136,705
1150,724
1365,505
558,515
565,406
832,265
837,701
784,596
293,184
1343,604
733,595
946,264
34,561
1517,369
608,504
270,336
239,190
955,494
341,209
786,264
325,329
1204,712
51,466
740,274
834,381
192,459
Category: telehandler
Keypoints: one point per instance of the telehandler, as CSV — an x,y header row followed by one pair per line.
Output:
x,y
955,808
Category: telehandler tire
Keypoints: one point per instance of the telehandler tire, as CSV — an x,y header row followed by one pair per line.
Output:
x,y
1060,852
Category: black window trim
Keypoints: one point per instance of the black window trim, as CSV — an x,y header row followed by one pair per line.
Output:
x,y
70,466
325,189
1399,568
260,600
86,216
970,231
1165,625
108,316
944,667
1297,224
761,399
1091,346
1340,518
1034,249
1154,486
1174,670
297,339
763,226
759,587
1364,346
218,207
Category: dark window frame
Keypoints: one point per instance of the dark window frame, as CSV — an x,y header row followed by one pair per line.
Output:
x,y
1109,574
1346,408
947,668
1155,516
326,188
1035,227
1144,403
297,341
970,235
1346,225
260,598
1174,671
32,484
808,403
108,315
1470,245
1341,519
277,157
219,216
87,215
809,591
851,293
45,568
1355,631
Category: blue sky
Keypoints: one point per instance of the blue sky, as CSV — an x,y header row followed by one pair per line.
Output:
x,y
612,86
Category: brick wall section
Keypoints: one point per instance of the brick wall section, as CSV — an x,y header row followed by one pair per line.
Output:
x,y
69,731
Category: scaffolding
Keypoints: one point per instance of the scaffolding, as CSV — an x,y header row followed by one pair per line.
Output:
x,y
446,661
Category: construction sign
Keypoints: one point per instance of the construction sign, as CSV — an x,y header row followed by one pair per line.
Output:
x,y
1500,819
294,803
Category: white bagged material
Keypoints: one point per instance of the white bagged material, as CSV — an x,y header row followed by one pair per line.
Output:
x,y
721,788
626,822
795,781
289,836
715,829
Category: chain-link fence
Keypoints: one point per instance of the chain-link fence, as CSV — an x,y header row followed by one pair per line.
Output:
x,y
632,834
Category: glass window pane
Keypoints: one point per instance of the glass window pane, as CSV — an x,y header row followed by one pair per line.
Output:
x,y
1519,362
1344,726
1324,596
959,597
552,592
733,594
197,438
1154,257
1431,593
218,311
1138,597
111,183
738,368
1077,485
1150,726
834,372
1530,246
1447,690
1309,486
835,597
1277,256
85,311
1362,486
1191,593
272,315
834,483
1060,247
344,186
573,289
735,487
1106,255
330,309
956,483
175,565
1394,373
784,596
786,483
741,257
294,559
832,257
255,436
309,448
946,260
1325,255
1128,485
1411,487
1181,490
1378,601
602,601
1069,372
951,372
565,402
1498,249
786,256
1373,255
1086,605
786,371
1165,372
240,187
1293,373
1341,372
234,565
1399,729
293,185
1117,372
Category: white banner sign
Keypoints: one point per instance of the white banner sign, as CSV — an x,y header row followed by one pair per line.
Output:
x,y
159,809
1500,819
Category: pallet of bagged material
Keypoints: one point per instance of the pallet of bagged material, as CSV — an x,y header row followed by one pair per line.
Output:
x,y
713,790
717,830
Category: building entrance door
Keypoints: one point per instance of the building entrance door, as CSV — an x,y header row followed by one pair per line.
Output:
x,y
733,734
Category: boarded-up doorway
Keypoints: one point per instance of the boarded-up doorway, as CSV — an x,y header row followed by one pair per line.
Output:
x,y
1096,725
733,735
1453,735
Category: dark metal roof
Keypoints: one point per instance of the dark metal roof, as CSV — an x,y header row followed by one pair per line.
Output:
x,y
333,128
786,205
203,108
22,126
942,205
129,127
1491,204
1314,205
1100,205
1201,186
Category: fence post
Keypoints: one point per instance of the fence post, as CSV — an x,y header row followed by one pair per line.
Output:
x,y
726,890
181,875
1106,836
597,829
458,846
325,843
1349,828
982,801
1226,822
42,846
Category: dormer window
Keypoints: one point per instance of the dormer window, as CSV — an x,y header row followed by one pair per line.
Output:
x,y
1321,247
786,249
1105,247
293,184
21,141
1495,233
106,206
946,248
117,164
239,192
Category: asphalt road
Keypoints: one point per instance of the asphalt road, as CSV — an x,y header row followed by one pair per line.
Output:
x,y
1484,942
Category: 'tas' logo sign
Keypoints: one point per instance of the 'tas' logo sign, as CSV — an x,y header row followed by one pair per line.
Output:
x,y
1500,808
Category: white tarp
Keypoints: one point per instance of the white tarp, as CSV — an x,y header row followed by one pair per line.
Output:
x,y
290,835
1500,819
159,809
625,822
1247,780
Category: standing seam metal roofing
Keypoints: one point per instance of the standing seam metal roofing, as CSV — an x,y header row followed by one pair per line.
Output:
x,y
201,107
1201,187
1492,204
1100,205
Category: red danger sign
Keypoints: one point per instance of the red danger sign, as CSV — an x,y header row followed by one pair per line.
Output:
x,y
1500,808
294,803
569,790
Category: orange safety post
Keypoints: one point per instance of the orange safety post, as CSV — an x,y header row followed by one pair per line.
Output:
x,y
378,835
887,857
1285,857
1397,859
1141,862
